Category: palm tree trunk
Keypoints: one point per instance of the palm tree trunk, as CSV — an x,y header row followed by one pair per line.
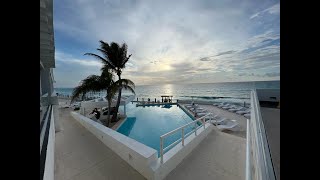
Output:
x,y
114,117
109,110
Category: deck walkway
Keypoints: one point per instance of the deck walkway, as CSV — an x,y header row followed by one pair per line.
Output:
x,y
79,155
219,156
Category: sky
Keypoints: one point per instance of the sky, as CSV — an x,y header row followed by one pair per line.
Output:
x,y
192,41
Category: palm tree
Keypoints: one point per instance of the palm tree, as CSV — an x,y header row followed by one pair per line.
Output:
x,y
113,57
104,82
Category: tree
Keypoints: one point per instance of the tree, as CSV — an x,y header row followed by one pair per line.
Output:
x,y
113,57
104,82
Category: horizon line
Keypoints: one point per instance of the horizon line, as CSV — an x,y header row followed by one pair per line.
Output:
x,y
195,83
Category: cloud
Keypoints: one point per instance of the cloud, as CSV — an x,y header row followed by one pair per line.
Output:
x,y
69,59
219,54
198,42
275,9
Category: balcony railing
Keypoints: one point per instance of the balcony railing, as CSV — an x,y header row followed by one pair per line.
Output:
x,y
257,144
183,135
44,138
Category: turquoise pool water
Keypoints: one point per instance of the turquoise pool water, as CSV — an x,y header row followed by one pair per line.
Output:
x,y
147,124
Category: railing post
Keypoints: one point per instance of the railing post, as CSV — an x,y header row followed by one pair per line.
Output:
x,y
161,150
182,136
204,123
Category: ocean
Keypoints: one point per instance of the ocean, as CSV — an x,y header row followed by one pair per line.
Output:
x,y
234,92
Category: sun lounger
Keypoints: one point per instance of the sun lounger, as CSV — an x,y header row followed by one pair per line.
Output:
x,y
222,104
247,115
216,104
237,109
227,107
202,114
199,110
243,112
231,125
220,121
211,117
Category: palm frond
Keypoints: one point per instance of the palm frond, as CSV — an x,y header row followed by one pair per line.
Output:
x,y
126,82
129,88
106,57
104,61
91,83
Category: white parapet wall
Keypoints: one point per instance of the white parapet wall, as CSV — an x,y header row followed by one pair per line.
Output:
x,y
141,157
138,155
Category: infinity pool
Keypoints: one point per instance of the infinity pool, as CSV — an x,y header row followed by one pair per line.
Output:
x,y
147,124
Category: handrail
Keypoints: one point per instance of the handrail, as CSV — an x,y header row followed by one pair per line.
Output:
x,y
248,150
44,138
182,134
264,167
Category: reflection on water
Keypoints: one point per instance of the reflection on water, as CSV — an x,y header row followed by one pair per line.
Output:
x,y
168,106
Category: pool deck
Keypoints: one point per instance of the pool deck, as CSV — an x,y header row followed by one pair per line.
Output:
x,y
219,156
79,155
224,113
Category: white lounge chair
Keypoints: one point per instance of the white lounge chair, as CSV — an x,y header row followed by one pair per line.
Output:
x,y
202,114
243,112
228,107
230,125
247,116
211,117
222,104
220,121
188,105
199,110
237,109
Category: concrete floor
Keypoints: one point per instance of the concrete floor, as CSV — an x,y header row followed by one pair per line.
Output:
x,y
271,121
79,155
219,156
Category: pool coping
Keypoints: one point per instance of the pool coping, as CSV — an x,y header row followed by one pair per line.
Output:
x,y
180,106
186,111
119,124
